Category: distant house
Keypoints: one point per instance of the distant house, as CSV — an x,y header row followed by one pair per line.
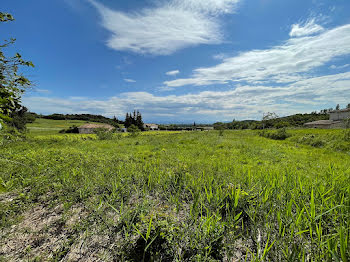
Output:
x,y
338,115
203,128
151,127
91,128
336,120
324,124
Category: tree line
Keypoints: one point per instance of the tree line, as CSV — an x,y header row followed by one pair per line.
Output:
x,y
297,120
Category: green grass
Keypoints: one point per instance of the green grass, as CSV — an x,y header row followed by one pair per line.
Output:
x,y
43,126
191,196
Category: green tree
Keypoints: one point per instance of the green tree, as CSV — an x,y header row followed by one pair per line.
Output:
x,y
337,107
12,83
139,122
268,117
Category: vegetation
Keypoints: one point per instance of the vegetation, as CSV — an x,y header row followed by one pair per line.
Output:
x,y
134,119
280,134
12,84
47,126
163,196
84,117
104,134
272,121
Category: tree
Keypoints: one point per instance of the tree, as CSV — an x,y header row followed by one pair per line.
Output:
x,y
12,83
337,107
134,119
139,122
348,106
268,116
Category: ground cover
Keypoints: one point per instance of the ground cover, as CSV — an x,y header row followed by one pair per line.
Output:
x,y
43,126
186,196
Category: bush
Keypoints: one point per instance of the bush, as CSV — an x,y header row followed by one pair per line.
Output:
x,y
280,134
347,135
104,134
10,134
134,131
70,130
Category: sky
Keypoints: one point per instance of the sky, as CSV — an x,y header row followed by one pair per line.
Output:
x,y
179,61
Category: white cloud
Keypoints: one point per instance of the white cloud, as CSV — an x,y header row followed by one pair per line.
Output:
x,y
129,80
243,102
167,27
78,98
292,61
165,89
309,28
173,73
45,91
339,67
220,56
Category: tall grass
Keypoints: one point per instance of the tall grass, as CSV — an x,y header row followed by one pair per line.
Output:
x,y
194,196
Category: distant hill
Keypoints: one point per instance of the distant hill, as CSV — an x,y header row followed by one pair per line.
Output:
x,y
83,117
297,120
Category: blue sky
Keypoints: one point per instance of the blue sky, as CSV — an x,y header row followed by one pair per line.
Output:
x,y
183,60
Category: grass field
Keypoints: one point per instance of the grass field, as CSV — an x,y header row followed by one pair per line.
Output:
x,y
191,196
43,126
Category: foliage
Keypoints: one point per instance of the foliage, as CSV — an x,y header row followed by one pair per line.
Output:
x,y
104,134
71,130
334,140
183,196
134,130
280,134
20,118
9,134
297,120
85,117
134,119
12,83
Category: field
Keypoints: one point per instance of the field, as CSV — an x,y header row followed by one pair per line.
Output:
x,y
185,196
43,126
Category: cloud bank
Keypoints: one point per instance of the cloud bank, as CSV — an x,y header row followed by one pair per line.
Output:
x,y
242,102
167,27
292,61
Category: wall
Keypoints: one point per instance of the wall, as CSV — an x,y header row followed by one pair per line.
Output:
x,y
86,131
339,115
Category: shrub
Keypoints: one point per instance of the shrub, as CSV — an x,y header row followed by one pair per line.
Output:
x,y
347,135
280,134
134,131
104,134
10,134
70,130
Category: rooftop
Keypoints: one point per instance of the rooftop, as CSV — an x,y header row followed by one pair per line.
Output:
x,y
341,110
96,126
322,122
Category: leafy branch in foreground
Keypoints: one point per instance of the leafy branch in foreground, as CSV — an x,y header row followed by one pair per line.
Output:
x,y
12,83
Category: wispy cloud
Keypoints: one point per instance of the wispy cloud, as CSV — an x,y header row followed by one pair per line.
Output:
x,y
292,61
129,80
339,67
44,91
167,27
308,28
78,98
242,102
165,89
173,73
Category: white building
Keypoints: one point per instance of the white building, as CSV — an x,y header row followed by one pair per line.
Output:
x,y
91,128
338,115
336,120
150,127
